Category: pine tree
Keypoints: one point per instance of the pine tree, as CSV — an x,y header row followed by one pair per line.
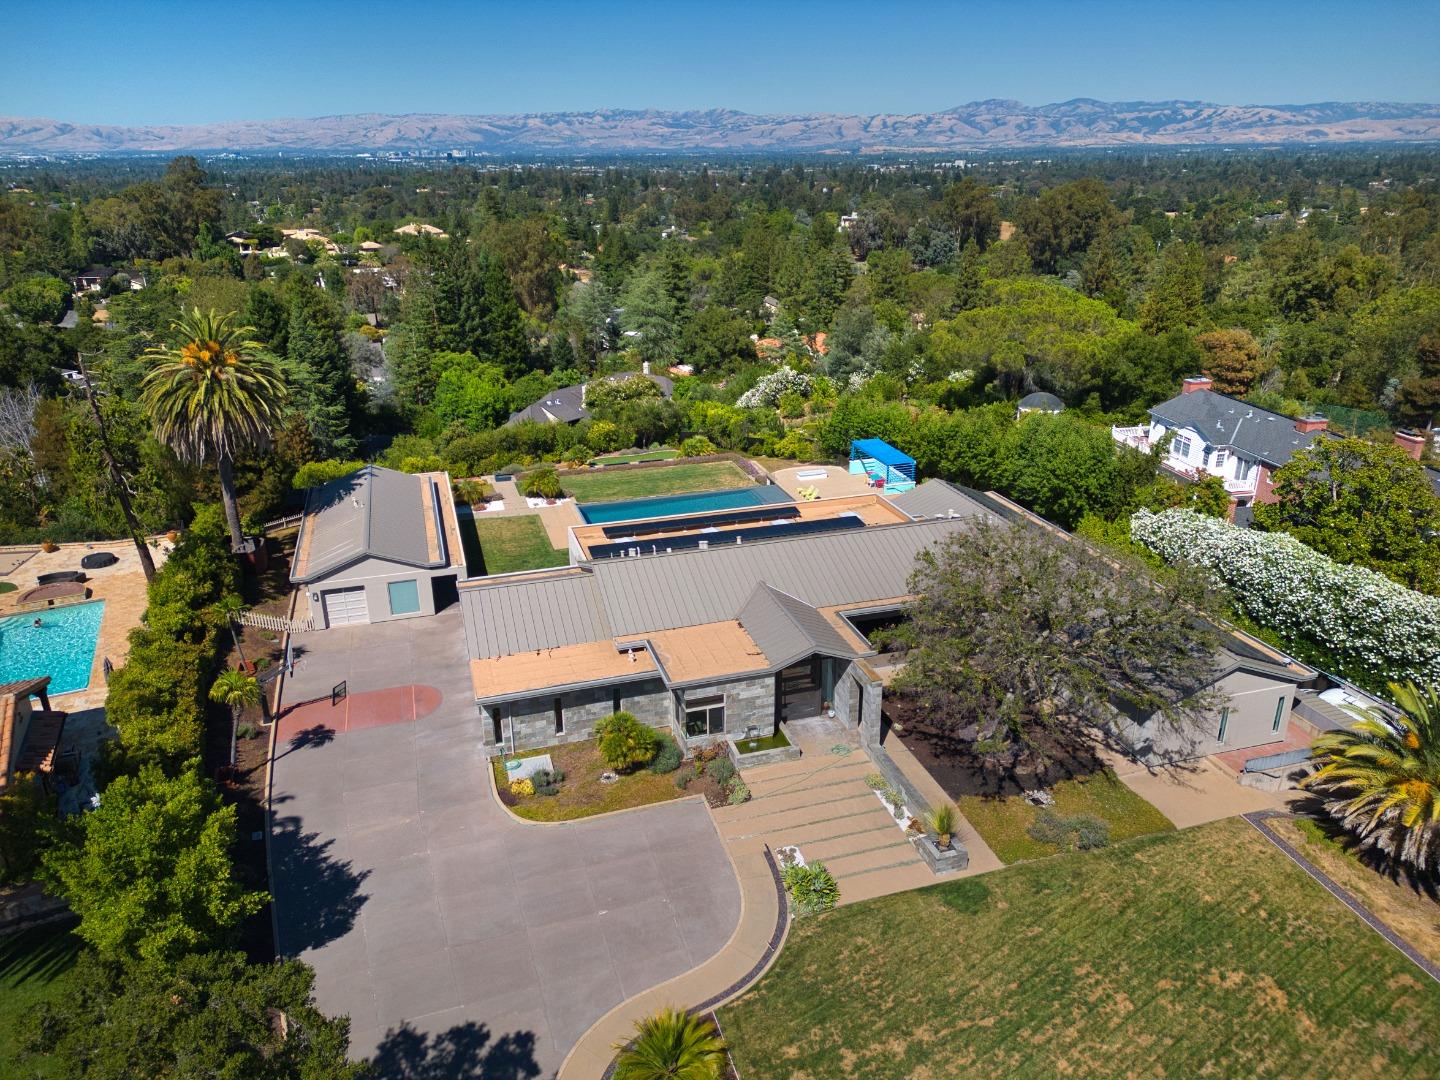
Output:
x,y
322,373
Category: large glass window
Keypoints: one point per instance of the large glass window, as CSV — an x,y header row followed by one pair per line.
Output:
x,y
1279,712
705,716
404,597
1224,723
1181,446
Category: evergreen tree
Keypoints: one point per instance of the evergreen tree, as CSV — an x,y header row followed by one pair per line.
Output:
x,y
322,373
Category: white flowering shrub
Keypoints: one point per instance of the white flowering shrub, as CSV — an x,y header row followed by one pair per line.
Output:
x,y
1376,630
767,391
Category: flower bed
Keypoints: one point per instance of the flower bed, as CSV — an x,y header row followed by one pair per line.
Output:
x,y
1374,629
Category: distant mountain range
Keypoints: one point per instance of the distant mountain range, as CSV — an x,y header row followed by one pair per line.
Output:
x,y
981,125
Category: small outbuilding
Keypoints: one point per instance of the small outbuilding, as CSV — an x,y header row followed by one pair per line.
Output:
x,y
1040,402
378,545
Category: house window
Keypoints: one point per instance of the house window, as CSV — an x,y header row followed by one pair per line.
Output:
x,y
559,717
1220,458
404,597
705,716
1279,712
1224,723
1205,457
495,725
1181,446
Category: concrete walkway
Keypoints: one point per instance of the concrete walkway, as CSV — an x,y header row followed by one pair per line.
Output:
x,y
982,858
1192,792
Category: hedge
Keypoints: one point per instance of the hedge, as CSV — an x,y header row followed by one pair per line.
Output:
x,y
1373,629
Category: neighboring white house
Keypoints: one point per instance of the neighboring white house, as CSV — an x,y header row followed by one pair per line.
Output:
x,y
378,545
1222,436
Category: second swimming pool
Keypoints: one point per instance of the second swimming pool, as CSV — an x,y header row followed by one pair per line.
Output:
x,y
696,502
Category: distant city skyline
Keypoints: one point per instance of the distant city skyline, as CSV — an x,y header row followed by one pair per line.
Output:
x,y
170,62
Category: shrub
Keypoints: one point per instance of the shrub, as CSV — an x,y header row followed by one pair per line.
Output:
x,y
246,731
547,781
683,778
697,446
812,889
942,820
737,791
1082,832
893,796
721,770
876,782
767,392
471,492
1374,629
667,757
315,473
541,484
626,743
522,787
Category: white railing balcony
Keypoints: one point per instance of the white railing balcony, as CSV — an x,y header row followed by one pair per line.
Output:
x,y
1240,487
1138,437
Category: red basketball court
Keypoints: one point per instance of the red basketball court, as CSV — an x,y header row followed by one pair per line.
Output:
x,y
355,712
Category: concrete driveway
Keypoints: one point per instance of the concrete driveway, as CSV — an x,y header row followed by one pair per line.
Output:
x,y
458,939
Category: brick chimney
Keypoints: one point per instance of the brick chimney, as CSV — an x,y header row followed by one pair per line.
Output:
x,y
1306,424
1196,382
1412,442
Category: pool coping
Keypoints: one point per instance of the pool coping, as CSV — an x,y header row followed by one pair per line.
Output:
x,y
785,499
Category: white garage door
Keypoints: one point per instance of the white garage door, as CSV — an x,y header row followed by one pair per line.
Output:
x,y
344,606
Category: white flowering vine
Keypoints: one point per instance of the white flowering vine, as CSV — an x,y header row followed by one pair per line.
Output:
x,y
766,392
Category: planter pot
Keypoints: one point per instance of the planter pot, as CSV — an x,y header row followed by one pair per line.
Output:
x,y
48,546
172,536
943,842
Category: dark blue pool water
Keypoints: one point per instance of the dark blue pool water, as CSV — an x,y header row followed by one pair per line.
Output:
x,y
697,502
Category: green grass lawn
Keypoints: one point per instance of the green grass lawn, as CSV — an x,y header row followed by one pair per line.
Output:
x,y
515,543
1004,822
7,586
602,486
34,965
581,794
1197,953
629,459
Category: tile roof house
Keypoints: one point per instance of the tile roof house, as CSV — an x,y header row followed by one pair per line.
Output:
x,y
378,545
29,737
1218,435
567,404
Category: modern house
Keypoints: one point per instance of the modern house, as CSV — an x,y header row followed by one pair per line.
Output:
x,y
1217,435
378,545
29,737
567,405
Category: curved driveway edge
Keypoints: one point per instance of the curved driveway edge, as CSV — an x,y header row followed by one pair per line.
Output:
x,y
734,969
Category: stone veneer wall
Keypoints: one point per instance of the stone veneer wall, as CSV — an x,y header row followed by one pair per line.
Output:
x,y
747,702
533,719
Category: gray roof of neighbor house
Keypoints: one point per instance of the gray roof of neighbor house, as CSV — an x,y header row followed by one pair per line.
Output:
x,y
1040,401
1226,421
937,498
567,404
788,629
371,513
627,598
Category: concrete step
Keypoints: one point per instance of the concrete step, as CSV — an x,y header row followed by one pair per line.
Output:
x,y
882,881
847,847
851,773
901,854
852,825
816,795
793,772
794,816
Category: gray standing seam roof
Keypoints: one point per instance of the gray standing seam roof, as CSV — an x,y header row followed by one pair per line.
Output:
x,y
788,629
373,512
628,598
1226,421
936,498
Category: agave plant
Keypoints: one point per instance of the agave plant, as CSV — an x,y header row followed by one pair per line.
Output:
x,y
1382,777
671,1045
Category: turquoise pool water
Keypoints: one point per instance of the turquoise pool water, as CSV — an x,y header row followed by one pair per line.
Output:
x,y
62,646
697,502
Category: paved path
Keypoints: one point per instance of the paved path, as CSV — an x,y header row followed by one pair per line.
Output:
x,y
440,924
1257,820
1192,792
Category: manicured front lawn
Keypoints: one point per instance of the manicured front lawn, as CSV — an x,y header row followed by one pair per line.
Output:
x,y
1198,953
34,965
581,794
603,486
516,543
1004,822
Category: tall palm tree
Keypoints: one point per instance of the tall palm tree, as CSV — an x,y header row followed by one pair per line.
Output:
x,y
212,395
1382,777
671,1045
235,690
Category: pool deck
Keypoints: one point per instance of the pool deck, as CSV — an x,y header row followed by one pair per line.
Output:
x,y
121,586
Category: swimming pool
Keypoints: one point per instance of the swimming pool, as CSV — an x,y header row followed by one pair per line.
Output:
x,y
62,646
697,502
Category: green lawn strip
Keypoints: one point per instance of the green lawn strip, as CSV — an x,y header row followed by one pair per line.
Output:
x,y
1003,823
7,586
630,459
1199,952
35,965
581,794
516,543
602,486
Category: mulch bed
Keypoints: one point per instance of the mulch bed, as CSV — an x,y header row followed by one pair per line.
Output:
x,y
960,770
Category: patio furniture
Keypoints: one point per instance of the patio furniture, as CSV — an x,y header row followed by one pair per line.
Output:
x,y
57,576
98,560
53,595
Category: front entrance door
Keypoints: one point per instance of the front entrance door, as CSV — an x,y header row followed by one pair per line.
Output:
x,y
800,693
344,606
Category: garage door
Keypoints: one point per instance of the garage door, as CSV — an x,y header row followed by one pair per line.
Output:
x,y
344,606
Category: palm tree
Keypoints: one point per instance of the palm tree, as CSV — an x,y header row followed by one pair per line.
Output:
x,y
671,1045
212,396
235,690
1382,777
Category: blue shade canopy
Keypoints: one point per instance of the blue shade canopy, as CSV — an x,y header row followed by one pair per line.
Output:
x,y
880,451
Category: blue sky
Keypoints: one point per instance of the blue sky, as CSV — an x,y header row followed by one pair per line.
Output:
x,y
163,61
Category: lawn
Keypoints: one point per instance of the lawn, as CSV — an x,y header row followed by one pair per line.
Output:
x,y
1003,822
630,459
606,486
34,965
1201,952
581,793
516,543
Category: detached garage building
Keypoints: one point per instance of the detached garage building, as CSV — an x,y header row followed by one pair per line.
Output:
x,y
378,545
